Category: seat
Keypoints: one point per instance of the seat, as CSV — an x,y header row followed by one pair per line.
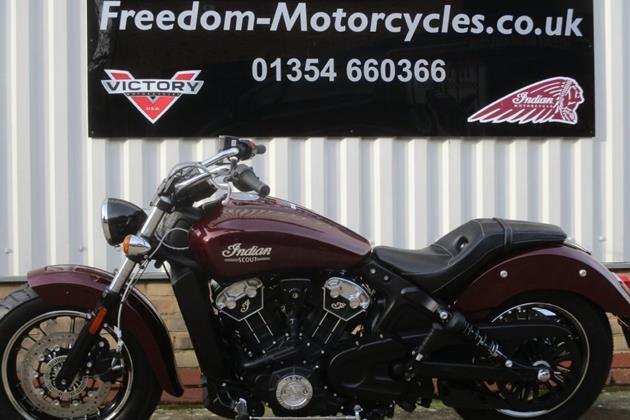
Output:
x,y
446,266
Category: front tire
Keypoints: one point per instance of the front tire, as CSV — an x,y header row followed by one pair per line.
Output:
x,y
597,337
34,339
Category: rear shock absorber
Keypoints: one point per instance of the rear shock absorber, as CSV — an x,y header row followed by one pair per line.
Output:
x,y
456,323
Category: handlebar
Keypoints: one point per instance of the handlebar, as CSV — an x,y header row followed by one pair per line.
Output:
x,y
247,149
244,178
223,154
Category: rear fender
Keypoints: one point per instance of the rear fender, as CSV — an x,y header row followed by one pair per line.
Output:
x,y
82,287
557,268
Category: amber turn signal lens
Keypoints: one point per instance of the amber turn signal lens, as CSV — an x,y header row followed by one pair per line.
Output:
x,y
125,244
136,246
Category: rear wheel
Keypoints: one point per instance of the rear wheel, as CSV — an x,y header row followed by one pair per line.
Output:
x,y
34,342
579,365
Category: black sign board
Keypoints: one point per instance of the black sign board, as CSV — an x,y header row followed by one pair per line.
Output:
x,y
183,68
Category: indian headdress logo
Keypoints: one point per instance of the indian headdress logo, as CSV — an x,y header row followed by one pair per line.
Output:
x,y
552,100
152,97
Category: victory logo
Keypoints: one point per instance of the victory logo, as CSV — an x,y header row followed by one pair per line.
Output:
x,y
552,100
152,97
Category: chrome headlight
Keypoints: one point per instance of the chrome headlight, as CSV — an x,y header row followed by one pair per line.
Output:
x,y
120,218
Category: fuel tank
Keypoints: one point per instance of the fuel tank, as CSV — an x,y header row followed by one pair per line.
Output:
x,y
248,236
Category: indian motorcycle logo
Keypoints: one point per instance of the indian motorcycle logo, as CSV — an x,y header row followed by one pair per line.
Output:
x,y
235,253
152,97
552,100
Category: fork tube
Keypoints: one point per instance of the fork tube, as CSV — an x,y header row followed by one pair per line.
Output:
x,y
154,219
121,277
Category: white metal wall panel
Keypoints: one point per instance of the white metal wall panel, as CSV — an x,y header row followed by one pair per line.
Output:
x,y
402,192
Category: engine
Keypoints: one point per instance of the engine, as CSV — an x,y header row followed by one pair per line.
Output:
x,y
282,329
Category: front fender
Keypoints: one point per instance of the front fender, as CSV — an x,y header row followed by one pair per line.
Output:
x,y
82,287
557,267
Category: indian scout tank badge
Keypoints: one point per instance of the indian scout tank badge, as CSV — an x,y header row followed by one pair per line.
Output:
x,y
236,253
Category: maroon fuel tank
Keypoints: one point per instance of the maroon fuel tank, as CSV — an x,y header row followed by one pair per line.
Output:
x,y
247,237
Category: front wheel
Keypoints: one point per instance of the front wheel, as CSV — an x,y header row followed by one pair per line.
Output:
x,y
34,342
579,364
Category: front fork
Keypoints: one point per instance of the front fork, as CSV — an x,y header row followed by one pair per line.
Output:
x,y
88,338
109,305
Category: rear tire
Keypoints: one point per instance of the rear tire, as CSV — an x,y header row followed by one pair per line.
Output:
x,y
22,307
599,337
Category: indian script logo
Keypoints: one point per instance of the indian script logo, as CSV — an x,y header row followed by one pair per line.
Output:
x,y
235,253
152,97
551,100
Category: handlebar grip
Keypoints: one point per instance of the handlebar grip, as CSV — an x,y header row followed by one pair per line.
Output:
x,y
246,148
245,179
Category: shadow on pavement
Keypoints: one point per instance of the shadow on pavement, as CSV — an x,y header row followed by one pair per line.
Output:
x,y
610,406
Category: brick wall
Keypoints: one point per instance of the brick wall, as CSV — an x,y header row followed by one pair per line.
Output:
x,y
161,296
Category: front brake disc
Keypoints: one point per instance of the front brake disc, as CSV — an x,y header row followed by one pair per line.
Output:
x,y
39,369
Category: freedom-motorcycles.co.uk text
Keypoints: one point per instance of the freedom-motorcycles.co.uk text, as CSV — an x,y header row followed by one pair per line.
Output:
x,y
300,17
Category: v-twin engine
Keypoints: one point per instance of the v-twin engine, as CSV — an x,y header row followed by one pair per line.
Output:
x,y
282,328
259,319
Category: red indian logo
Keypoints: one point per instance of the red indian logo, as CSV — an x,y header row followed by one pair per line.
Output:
x,y
552,100
152,97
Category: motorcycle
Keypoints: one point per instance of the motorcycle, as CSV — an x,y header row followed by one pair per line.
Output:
x,y
290,312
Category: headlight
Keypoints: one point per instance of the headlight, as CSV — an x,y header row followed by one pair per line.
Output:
x,y
120,218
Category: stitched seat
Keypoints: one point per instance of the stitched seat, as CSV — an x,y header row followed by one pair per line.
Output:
x,y
447,265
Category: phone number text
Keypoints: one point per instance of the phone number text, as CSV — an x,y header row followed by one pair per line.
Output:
x,y
368,70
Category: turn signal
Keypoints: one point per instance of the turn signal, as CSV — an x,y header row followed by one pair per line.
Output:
x,y
135,246
125,244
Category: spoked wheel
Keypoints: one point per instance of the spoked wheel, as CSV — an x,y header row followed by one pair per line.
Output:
x,y
577,365
35,341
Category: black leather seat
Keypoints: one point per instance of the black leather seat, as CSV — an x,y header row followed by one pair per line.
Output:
x,y
446,266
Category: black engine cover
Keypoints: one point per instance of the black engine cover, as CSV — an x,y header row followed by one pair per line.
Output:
x,y
365,371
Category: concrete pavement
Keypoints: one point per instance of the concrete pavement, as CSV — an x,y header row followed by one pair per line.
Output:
x,y
612,405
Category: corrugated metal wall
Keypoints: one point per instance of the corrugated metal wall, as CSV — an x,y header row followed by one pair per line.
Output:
x,y
403,192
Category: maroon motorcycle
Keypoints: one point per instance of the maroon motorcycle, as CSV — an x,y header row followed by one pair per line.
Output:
x,y
290,311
